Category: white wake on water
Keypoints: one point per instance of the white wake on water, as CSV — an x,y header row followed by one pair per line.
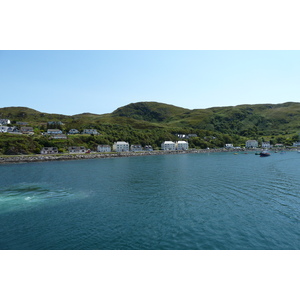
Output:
x,y
25,196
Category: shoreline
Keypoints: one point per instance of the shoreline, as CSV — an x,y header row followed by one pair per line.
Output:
x,y
64,157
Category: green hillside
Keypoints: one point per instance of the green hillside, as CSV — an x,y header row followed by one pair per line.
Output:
x,y
150,111
153,122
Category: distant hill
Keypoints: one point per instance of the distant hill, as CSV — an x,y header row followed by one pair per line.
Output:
x,y
150,111
243,120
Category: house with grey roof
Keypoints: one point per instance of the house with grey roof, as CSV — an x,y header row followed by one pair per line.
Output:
x,y
136,148
76,149
54,131
4,121
49,150
27,130
90,131
74,131
104,148
3,129
59,136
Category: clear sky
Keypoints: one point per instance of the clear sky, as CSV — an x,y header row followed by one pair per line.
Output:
x,y
72,82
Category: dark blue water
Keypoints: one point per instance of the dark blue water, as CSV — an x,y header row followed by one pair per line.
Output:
x,y
188,201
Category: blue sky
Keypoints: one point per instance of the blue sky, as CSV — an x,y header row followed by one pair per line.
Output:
x,y
72,82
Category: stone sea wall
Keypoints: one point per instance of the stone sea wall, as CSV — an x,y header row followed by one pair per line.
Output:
x,y
58,157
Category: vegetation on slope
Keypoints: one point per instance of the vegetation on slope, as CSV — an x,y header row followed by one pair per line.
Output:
x,y
152,123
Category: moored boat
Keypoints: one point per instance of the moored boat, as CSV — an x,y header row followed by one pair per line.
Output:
x,y
264,153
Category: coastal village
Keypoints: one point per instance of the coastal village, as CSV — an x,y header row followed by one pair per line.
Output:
x,y
23,128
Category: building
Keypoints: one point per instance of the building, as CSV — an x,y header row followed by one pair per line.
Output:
x,y
104,148
59,136
3,128
27,130
55,123
77,149
90,131
121,146
148,148
182,145
228,146
168,146
4,121
12,129
54,131
266,145
251,144
49,150
74,131
191,135
296,144
22,123
136,148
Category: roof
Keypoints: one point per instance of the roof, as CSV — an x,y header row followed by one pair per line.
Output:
x,y
26,128
49,148
121,143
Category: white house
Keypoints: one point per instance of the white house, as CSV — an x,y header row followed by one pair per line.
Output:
x,y
73,131
49,150
251,144
76,149
182,145
121,146
168,145
90,131
104,148
265,145
54,131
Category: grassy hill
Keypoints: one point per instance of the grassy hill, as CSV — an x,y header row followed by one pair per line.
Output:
x,y
150,111
245,120
152,122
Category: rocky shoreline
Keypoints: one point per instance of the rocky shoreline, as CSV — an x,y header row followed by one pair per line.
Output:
x,y
59,157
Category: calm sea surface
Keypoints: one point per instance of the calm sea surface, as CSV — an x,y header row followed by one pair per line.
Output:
x,y
188,201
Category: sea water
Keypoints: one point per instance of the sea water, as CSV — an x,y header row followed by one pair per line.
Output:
x,y
187,201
